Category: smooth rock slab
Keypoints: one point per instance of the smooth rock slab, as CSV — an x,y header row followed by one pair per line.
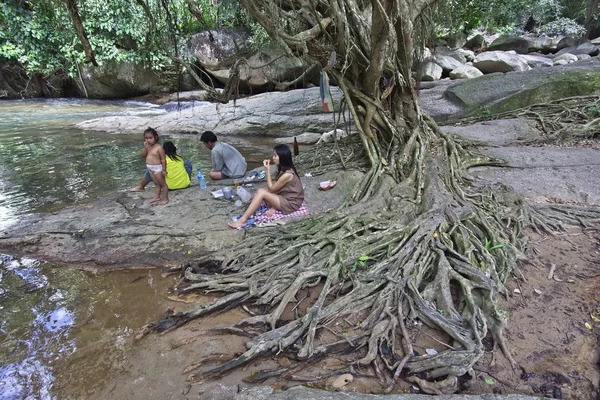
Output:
x,y
303,393
547,174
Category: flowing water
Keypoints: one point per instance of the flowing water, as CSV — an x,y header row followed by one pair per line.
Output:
x,y
47,163
64,332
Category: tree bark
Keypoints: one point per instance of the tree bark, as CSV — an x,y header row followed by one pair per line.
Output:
x,y
81,34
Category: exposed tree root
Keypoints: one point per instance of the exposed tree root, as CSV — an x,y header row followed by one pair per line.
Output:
x,y
572,118
439,252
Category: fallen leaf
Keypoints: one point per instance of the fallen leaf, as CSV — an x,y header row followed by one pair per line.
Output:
x,y
342,380
517,291
588,325
435,234
489,381
594,318
81,230
182,245
557,279
189,252
538,291
431,352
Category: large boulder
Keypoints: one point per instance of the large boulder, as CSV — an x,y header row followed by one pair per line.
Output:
x,y
125,79
465,72
536,60
270,69
587,48
567,57
499,61
274,114
567,41
218,50
542,44
447,63
508,42
476,43
513,90
431,72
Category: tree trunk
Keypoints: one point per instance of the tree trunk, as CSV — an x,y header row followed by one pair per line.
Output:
x,y
592,7
87,47
437,251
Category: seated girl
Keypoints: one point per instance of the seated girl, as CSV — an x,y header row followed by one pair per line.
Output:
x,y
286,194
178,171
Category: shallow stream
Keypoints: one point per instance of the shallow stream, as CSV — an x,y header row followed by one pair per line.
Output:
x,y
64,333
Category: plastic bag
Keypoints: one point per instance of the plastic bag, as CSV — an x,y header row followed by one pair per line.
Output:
x,y
244,195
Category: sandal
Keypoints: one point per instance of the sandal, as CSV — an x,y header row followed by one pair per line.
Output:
x,y
324,186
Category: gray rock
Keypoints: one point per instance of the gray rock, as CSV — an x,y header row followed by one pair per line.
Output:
x,y
596,41
583,57
508,42
568,57
503,92
588,48
304,393
465,72
499,61
536,61
268,114
123,80
560,62
446,62
476,43
263,69
431,71
217,49
542,44
303,138
567,41
544,173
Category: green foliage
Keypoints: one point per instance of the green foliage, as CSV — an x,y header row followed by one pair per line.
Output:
x,y
360,263
40,36
563,26
503,16
593,111
259,38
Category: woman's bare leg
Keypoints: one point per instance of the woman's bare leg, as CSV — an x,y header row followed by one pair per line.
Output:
x,y
262,194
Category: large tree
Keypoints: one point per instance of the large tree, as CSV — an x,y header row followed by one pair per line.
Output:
x,y
418,241
413,244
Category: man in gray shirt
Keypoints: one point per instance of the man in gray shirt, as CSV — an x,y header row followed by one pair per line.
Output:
x,y
227,162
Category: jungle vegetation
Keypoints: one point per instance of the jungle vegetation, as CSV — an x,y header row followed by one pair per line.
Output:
x,y
417,244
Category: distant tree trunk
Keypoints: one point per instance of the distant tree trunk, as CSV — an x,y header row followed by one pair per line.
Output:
x,y
87,47
592,7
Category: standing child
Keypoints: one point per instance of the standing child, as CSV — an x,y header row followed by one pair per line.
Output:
x,y
156,164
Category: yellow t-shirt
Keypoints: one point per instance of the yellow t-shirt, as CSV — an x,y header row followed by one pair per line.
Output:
x,y
177,177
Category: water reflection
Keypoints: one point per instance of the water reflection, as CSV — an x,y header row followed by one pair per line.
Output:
x,y
65,333
34,330
47,163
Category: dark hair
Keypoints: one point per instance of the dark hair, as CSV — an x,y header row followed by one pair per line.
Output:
x,y
285,158
153,132
208,136
171,151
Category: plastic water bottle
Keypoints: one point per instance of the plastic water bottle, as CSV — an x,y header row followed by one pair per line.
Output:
x,y
201,181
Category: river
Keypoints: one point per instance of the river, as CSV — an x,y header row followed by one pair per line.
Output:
x,y
65,333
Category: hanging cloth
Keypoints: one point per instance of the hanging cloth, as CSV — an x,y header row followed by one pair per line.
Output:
x,y
325,92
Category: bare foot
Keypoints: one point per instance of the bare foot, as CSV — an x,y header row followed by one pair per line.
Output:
x,y
270,212
154,200
164,202
237,224
137,189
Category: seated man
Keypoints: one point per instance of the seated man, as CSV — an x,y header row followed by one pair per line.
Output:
x,y
227,162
